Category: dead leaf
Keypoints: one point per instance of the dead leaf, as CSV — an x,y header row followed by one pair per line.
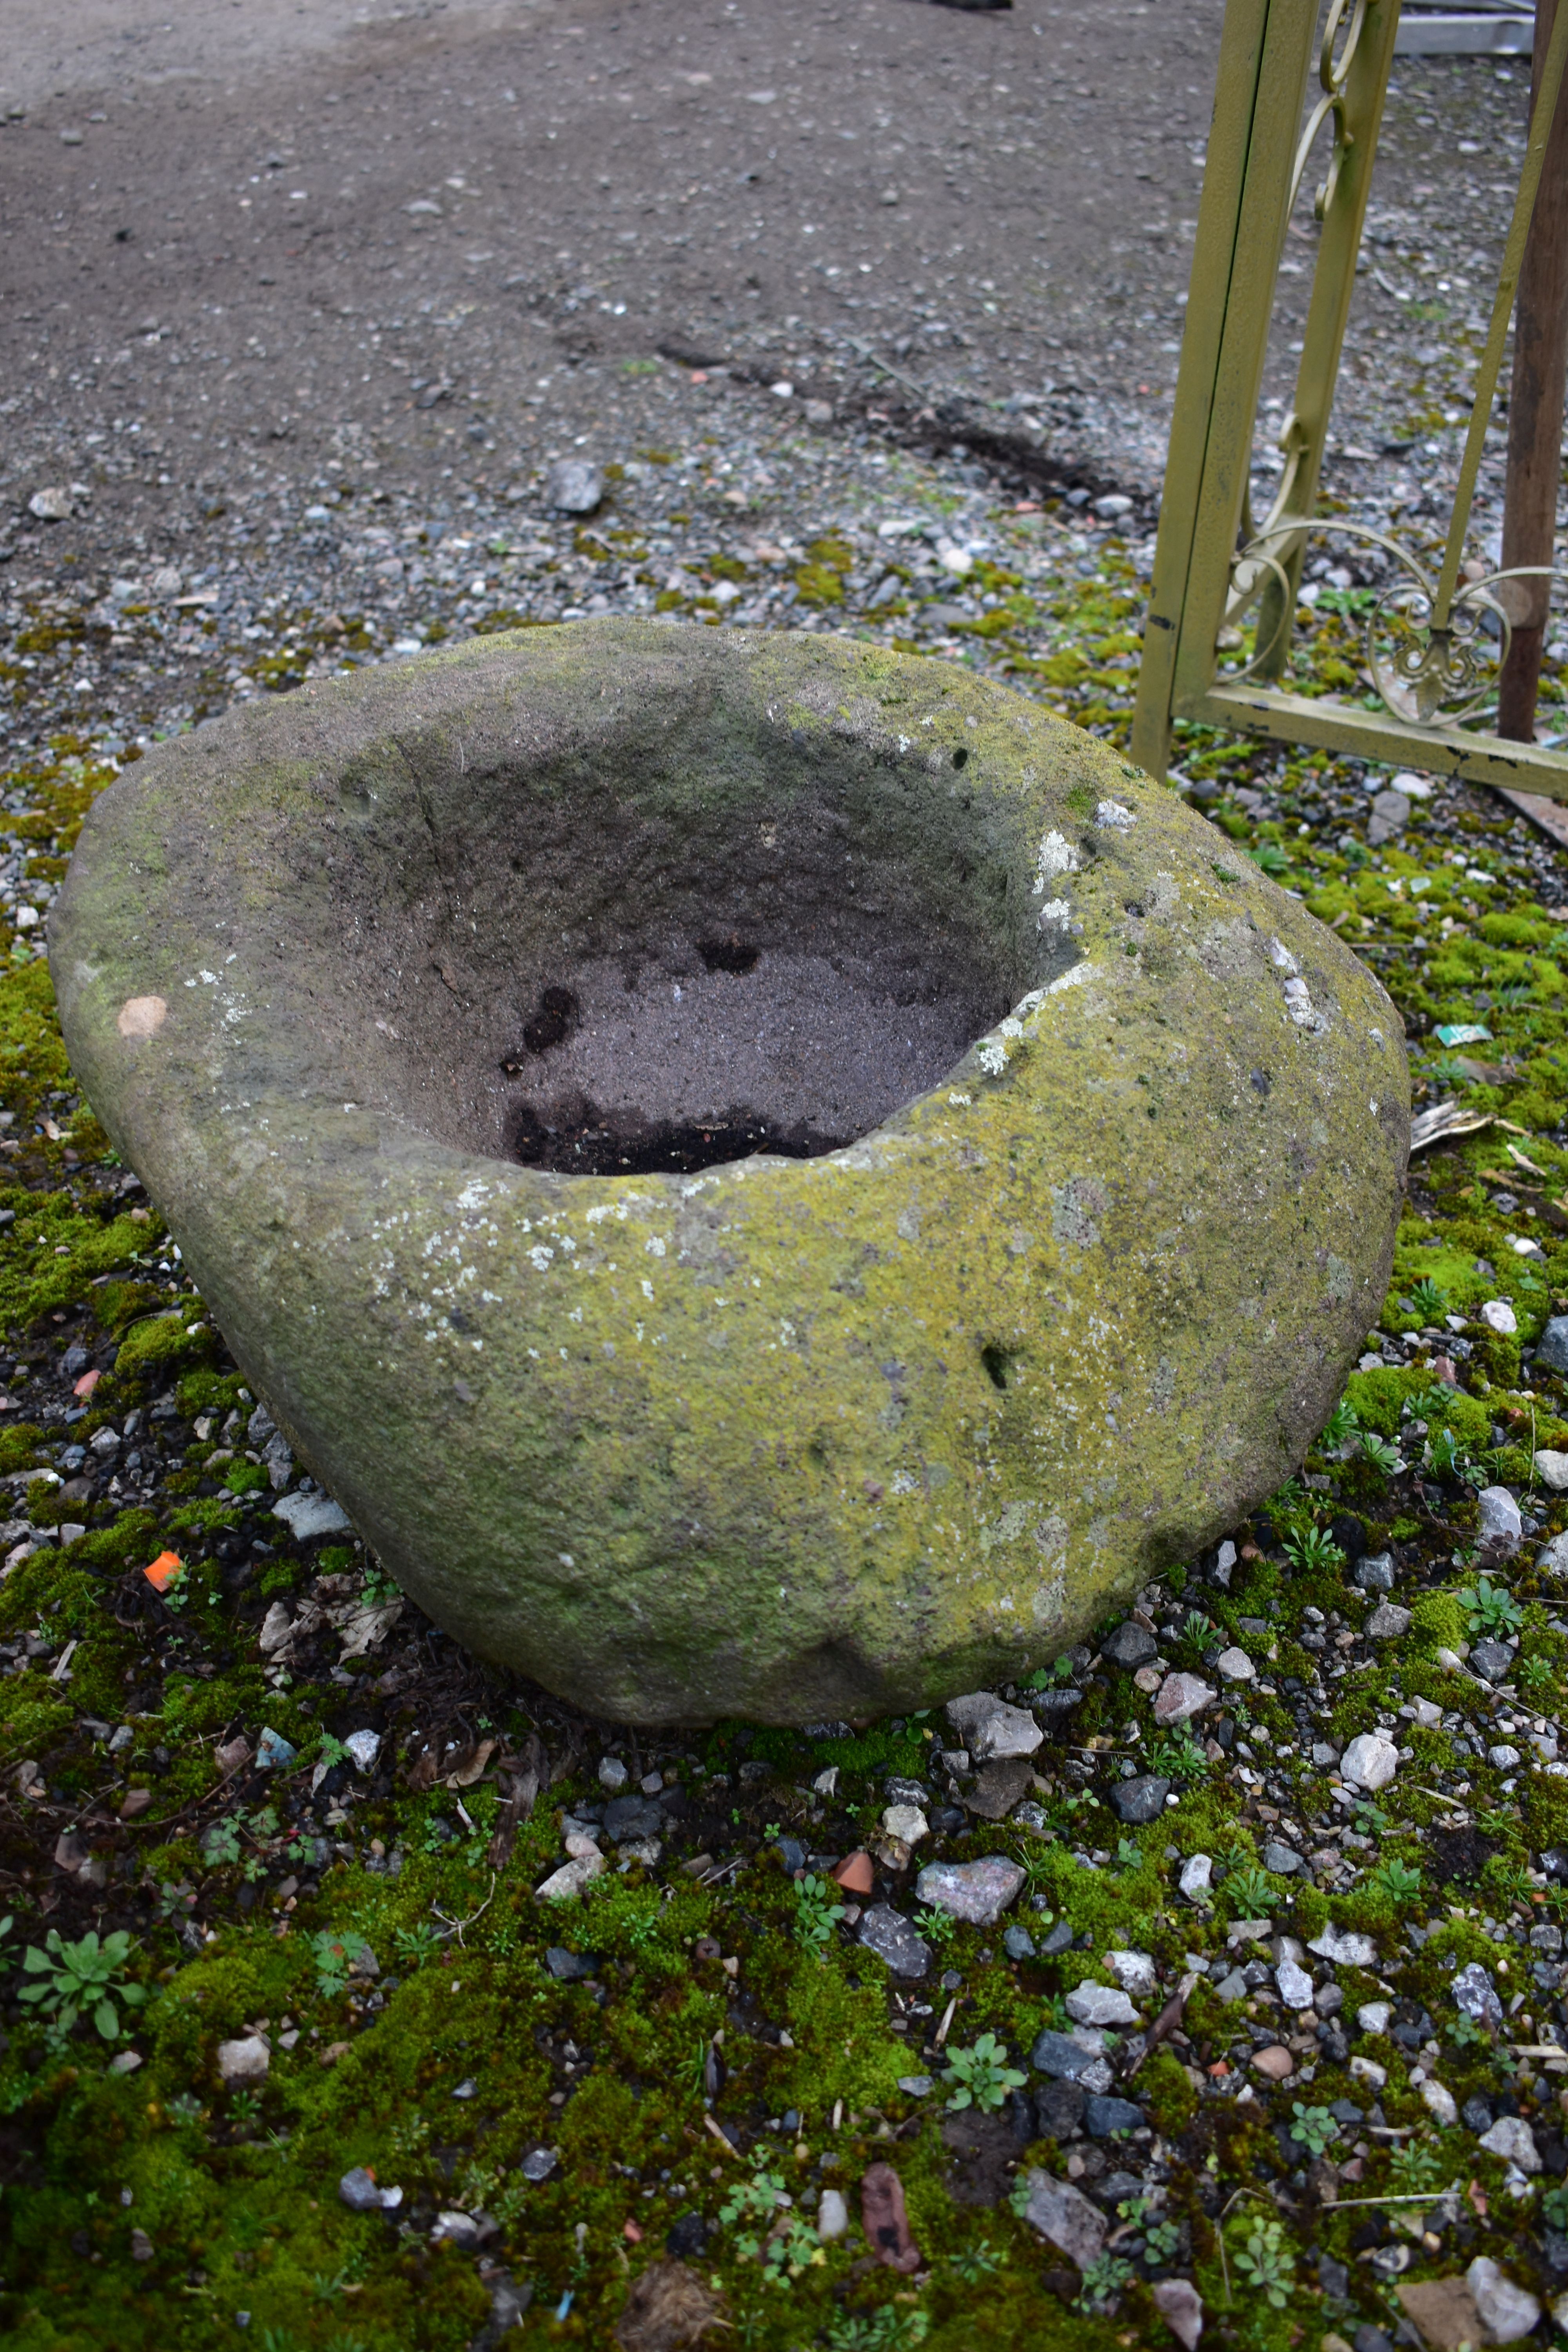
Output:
x,y
523,1775
471,1765
421,1774
885,2220
364,1629
668,2307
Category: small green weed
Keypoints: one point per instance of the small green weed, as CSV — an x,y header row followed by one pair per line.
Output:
x,y
1266,2261
336,1957
1340,1427
1103,2280
982,2075
1427,1298
783,2253
973,2264
1491,1608
817,1914
1250,1893
1313,1550
1313,2129
1398,1880
1381,1452
83,1976
1415,2168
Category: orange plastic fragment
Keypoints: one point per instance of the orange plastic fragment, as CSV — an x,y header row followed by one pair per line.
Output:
x,y
163,1570
88,1383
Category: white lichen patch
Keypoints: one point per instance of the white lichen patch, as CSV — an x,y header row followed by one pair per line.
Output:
x,y
1056,855
1301,1009
1112,817
1056,914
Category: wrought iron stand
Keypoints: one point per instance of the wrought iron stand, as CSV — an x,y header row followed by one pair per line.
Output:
x,y
1437,640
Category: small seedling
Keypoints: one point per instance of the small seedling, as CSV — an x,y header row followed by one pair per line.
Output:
x,y
1267,2262
1250,1892
1428,1297
1398,1880
417,1944
1271,857
1103,2280
79,1976
1129,1855
336,1958
1415,2168
1160,2239
1313,1550
783,2253
817,1914
976,2262
1178,1757
983,2075
886,2330
1492,1608
1381,1452
1466,2034
1340,1427
936,1926
1313,2129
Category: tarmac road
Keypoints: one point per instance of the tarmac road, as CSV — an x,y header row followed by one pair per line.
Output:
x,y
214,212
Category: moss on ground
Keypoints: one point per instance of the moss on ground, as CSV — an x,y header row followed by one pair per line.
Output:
x,y
154,2205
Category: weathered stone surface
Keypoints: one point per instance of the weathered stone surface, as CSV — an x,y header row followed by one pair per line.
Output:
x,y
976,1891
1064,2215
1508,2311
1371,1760
1098,2004
1141,1799
990,1729
244,2060
889,1935
296,951
1133,1971
1511,2139
1180,2306
1131,1646
1182,1697
1103,2115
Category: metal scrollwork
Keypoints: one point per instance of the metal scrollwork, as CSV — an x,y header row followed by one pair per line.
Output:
x,y
1333,70
1427,672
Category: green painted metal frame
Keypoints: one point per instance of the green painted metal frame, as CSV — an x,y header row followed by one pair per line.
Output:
x,y
1212,564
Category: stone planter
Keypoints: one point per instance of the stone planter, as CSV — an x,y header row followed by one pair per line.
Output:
x,y
438,1007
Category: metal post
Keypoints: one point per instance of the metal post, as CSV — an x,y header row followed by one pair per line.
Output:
x,y
1264,53
1214,258
1535,415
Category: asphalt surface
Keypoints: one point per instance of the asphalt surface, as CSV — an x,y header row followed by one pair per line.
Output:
x,y
329,229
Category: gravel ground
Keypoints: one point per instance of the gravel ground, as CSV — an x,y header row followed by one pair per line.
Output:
x,y
1264,1969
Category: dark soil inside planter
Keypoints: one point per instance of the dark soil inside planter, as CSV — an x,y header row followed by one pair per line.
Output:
x,y
589,1142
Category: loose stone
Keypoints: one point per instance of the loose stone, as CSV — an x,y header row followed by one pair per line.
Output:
x,y
990,1728
1182,1697
1064,2215
1141,1799
1508,2312
1129,1646
1096,2004
1369,1761
976,1891
1235,1665
887,1933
